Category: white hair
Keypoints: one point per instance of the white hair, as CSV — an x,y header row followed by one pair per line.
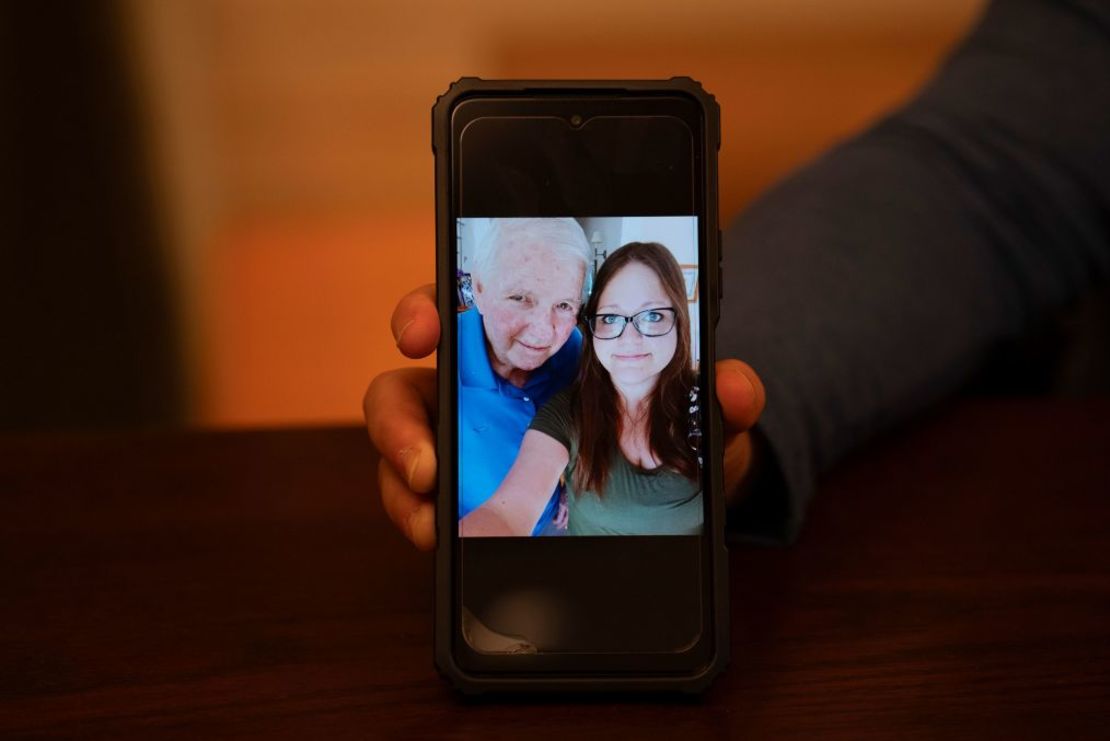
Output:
x,y
564,236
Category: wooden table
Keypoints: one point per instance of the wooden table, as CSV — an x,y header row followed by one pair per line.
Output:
x,y
953,579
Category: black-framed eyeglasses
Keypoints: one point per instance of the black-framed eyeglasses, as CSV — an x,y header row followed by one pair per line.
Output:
x,y
649,323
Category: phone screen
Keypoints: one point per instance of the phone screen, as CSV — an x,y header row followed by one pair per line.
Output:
x,y
580,486
583,331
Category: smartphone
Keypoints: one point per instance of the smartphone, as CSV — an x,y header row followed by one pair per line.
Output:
x,y
580,516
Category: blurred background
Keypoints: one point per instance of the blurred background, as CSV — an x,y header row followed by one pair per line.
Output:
x,y
214,204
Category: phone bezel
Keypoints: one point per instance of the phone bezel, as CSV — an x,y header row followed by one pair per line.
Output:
x,y
475,672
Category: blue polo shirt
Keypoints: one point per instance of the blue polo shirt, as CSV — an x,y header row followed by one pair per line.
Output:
x,y
494,414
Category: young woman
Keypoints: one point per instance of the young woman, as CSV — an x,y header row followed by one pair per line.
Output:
x,y
619,435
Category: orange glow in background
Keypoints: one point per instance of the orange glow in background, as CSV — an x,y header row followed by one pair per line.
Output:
x,y
292,143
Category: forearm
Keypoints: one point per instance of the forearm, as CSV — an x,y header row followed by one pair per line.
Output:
x,y
876,280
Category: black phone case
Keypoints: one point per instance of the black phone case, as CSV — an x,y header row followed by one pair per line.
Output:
x,y
446,528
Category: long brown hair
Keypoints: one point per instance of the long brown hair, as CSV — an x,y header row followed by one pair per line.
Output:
x,y
594,398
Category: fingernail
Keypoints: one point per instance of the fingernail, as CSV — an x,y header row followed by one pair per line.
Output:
x,y
410,459
403,329
748,385
422,529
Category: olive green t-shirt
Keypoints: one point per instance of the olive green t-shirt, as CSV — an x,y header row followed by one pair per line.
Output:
x,y
635,502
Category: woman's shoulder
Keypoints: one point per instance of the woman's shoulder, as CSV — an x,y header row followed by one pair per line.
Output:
x,y
561,399
556,418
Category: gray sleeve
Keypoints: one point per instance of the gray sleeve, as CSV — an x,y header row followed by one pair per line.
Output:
x,y
878,279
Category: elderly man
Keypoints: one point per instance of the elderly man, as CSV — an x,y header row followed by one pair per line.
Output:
x,y
517,347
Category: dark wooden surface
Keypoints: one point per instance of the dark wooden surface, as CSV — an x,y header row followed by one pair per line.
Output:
x,y
952,580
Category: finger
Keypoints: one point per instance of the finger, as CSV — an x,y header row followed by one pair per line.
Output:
x,y
399,406
741,395
415,322
742,398
413,514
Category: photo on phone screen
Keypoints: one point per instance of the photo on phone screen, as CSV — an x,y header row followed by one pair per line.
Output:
x,y
579,410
